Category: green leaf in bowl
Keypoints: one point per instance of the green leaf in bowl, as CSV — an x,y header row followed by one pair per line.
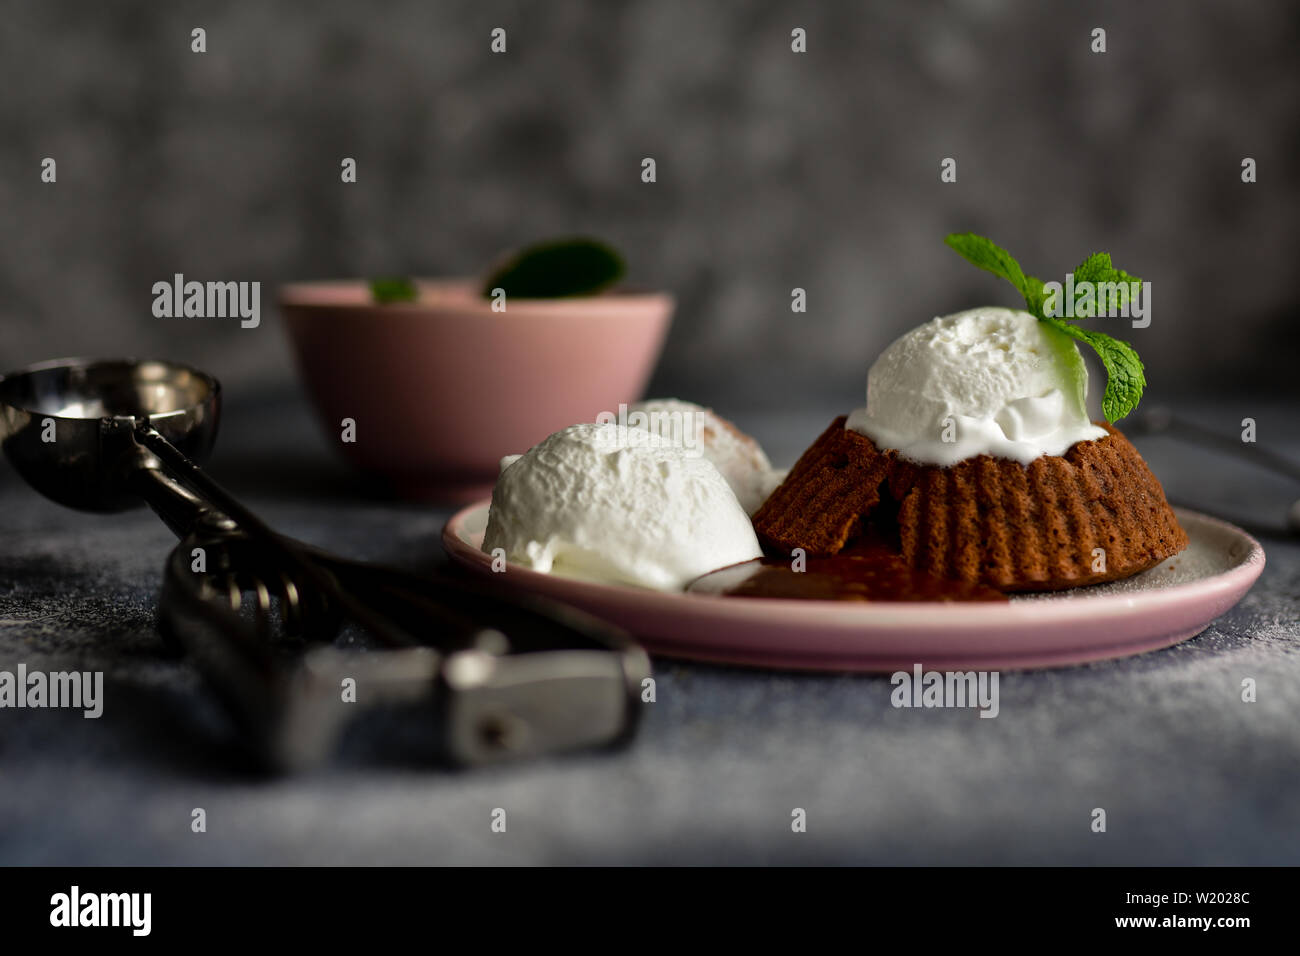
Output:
x,y
393,290
557,269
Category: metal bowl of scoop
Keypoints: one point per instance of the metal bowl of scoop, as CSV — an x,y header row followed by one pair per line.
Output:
x,y
63,423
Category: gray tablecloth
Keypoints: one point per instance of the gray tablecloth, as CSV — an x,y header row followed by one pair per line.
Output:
x,y
1187,772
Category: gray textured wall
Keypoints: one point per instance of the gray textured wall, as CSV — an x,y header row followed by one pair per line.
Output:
x,y
775,169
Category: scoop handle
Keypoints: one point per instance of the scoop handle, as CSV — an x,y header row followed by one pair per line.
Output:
x,y
179,508
183,472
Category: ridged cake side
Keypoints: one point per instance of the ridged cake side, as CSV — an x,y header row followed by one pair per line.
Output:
x,y
1039,527
820,504
991,520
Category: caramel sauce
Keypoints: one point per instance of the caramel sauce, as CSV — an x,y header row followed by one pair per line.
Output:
x,y
868,570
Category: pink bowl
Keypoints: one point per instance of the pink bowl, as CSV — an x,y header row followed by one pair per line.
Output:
x,y
442,388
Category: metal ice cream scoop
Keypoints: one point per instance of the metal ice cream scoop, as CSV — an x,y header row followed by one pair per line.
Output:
x,y
261,614
1161,421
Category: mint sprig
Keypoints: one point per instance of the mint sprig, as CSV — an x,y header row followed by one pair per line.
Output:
x,y
1125,378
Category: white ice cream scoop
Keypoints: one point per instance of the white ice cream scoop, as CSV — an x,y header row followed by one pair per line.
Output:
x,y
603,502
988,381
737,455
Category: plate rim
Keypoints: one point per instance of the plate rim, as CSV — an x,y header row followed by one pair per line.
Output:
x,y
964,614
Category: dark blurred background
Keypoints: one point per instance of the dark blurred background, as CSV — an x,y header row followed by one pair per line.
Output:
x,y
775,169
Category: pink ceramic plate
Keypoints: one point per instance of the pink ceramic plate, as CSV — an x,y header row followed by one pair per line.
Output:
x,y
1170,603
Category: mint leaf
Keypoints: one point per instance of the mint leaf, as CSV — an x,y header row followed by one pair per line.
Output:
x,y
557,269
1125,377
1098,270
1034,296
393,290
1093,268
988,255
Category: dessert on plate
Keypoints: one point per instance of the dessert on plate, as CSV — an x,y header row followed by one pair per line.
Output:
x,y
611,503
975,456
972,471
